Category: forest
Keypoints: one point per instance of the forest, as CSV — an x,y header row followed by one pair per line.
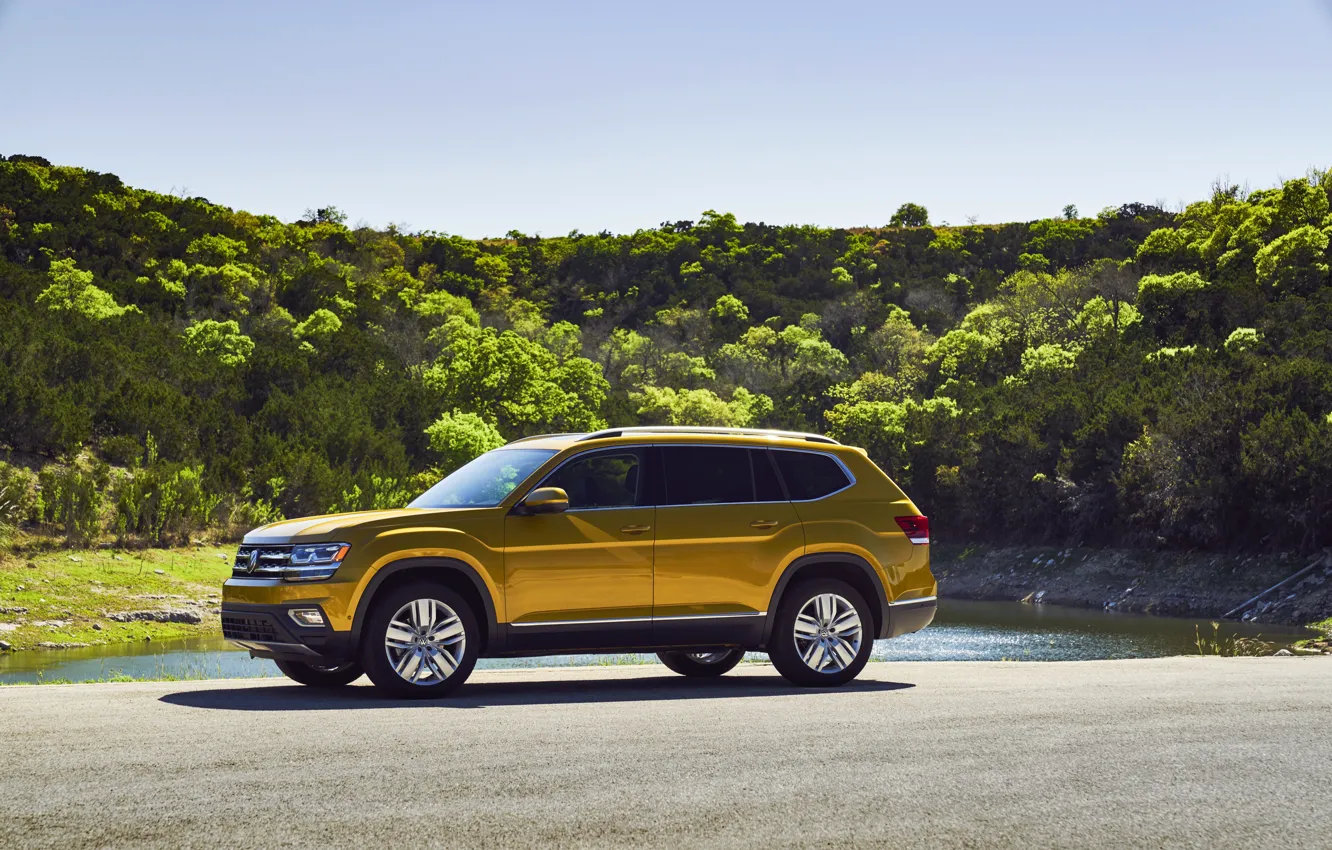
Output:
x,y
1143,377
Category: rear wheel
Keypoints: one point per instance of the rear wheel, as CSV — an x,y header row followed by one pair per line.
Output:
x,y
321,675
702,663
823,635
420,642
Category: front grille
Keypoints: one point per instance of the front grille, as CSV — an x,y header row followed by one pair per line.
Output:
x,y
240,627
261,561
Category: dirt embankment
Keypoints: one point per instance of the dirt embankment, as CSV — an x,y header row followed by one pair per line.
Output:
x,y
1163,583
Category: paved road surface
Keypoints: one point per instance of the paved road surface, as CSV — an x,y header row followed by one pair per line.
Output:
x,y
1171,752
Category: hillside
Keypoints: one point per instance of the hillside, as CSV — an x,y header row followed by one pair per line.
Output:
x,y
1138,378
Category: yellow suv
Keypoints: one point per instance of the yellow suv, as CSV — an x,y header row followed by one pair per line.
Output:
x,y
694,543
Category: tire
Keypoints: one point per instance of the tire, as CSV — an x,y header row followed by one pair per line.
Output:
x,y
841,653
411,611
319,676
701,664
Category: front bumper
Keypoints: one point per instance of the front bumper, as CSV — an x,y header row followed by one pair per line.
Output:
x,y
909,615
268,631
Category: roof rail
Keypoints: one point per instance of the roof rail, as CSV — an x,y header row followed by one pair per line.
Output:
x,y
545,436
697,429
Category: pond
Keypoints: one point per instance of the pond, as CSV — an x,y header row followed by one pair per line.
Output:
x,y
963,631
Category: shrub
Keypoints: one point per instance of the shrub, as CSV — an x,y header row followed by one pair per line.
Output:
x,y
18,499
165,502
71,497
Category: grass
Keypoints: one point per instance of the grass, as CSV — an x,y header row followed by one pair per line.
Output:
x,y
64,596
1229,646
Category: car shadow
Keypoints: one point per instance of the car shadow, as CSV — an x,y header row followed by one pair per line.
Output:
x,y
493,694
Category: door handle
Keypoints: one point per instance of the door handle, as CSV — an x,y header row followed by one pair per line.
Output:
x,y
764,523
635,529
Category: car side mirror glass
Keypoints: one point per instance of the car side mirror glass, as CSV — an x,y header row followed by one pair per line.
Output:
x,y
546,500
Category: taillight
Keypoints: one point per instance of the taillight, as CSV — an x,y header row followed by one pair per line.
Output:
x,y
917,528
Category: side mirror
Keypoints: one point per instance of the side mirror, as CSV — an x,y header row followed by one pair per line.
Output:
x,y
546,500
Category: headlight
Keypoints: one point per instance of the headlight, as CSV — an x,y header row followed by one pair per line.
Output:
x,y
315,562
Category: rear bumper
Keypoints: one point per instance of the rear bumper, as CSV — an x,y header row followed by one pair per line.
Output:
x,y
268,631
909,615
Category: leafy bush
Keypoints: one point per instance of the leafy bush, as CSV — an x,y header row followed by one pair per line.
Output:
x,y
18,499
71,498
165,502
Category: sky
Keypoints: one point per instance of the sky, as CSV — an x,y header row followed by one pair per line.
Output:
x,y
543,117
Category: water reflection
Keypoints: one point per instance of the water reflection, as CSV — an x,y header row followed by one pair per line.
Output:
x,y
963,631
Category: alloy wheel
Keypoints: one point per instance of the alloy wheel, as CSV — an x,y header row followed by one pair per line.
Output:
x,y
425,642
828,633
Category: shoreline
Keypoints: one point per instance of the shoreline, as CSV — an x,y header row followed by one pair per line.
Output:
x,y
1172,584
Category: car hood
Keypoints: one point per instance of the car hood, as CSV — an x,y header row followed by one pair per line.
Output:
x,y
317,529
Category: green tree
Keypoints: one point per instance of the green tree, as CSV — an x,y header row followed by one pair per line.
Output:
x,y
458,437
72,291
910,215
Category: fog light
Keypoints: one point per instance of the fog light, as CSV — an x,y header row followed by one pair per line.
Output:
x,y
307,616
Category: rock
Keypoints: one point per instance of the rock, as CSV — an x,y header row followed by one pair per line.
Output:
x,y
159,572
13,610
1283,652
5,647
105,545
165,615
76,559
51,645
1050,563
221,556
97,627
32,565
118,557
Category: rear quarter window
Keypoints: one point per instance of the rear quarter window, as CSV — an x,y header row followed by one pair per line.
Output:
x,y
809,475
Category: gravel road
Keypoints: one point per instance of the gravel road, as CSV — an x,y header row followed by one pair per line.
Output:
x,y
1144,753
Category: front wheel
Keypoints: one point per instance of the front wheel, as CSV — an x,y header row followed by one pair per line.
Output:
x,y
321,675
420,642
702,663
823,635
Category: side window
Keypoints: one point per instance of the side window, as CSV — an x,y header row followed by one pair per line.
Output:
x,y
808,475
600,480
766,486
706,475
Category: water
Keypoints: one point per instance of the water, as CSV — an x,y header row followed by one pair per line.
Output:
x,y
963,631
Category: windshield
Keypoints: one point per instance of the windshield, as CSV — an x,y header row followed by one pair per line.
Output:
x,y
484,482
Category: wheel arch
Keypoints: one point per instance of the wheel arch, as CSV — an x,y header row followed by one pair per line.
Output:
x,y
852,569
454,574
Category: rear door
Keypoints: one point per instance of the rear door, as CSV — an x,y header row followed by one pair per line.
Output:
x,y
724,528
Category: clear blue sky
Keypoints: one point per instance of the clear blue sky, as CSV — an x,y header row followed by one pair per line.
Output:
x,y
479,118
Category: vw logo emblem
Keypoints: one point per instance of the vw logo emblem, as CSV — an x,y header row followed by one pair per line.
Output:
x,y
254,560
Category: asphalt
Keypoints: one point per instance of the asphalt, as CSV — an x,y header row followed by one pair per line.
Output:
x,y
1143,753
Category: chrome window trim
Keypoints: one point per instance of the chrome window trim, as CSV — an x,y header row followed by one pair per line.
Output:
x,y
850,476
846,470
640,619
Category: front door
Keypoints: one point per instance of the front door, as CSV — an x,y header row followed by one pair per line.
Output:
x,y
724,529
582,579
